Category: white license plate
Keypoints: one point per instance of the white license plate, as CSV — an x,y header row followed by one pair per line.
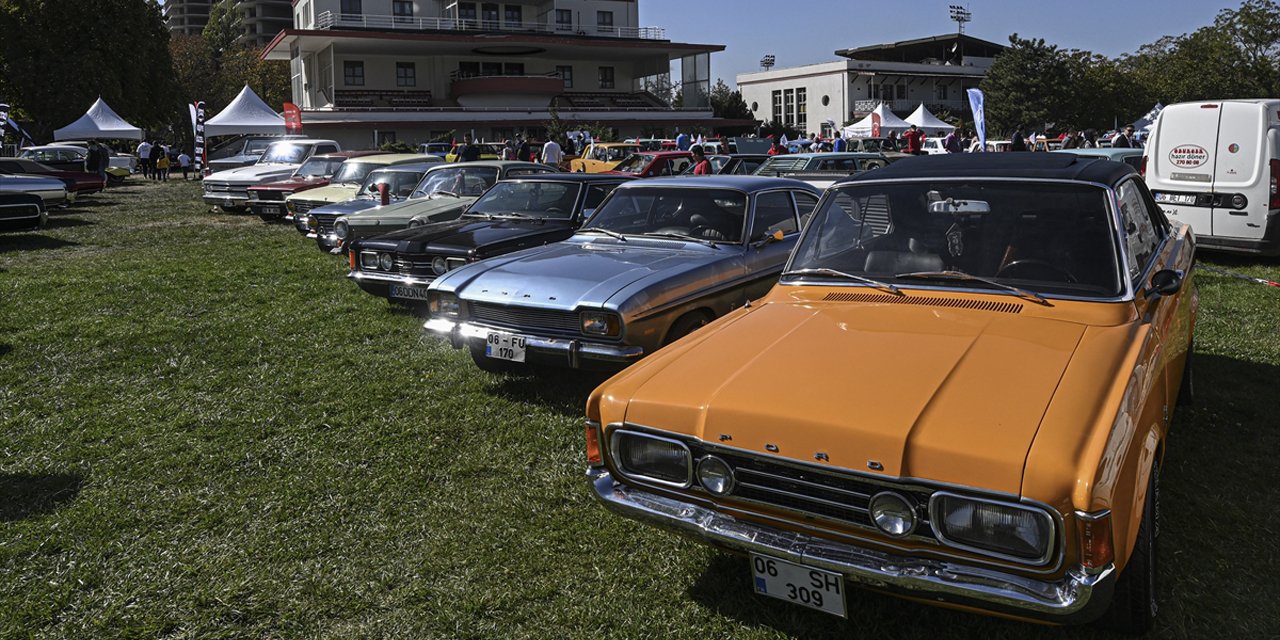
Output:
x,y
270,209
504,346
1176,198
805,586
409,293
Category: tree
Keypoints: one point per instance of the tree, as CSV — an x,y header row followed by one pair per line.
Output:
x,y
243,65
727,103
224,27
194,68
1025,86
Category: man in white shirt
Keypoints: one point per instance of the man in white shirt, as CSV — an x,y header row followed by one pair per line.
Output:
x,y
144,158
551,154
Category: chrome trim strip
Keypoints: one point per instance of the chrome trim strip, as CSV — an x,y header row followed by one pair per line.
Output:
x,y
688,459
823,487
1064,599
796,496
934,519
572,349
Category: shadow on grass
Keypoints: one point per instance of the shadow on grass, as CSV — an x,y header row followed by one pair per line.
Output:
x,y
30,242
23,495
59,222
564,391
1216,548
5,349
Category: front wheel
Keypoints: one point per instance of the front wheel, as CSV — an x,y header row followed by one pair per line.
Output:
x,y
1134,603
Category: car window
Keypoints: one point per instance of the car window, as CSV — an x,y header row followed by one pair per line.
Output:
x,y
596,194
325,148
533,198
458,180
679,165
774,210
805,204
1140,233
712,214
526,172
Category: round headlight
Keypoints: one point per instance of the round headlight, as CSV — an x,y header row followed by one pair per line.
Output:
x,y
716,476
893,514
439,266
385,261
414,222
313,222
341,229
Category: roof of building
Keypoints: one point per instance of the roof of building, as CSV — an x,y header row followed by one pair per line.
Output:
x,y
1044,166
951,46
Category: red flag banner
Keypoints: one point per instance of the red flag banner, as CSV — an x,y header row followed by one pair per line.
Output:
x,y
292,118
875,125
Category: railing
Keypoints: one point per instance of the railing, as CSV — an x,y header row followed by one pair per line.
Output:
x,y
331,20
460,75
866,106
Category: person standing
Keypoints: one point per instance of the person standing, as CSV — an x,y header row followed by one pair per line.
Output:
x,y
523,152
153,159
508,150
184,163
162,164
91,159
701,165
951,142
104,161
914,139
1089,140
682,141
467,151
1018,141
1125,139
838,144
552,154
144,158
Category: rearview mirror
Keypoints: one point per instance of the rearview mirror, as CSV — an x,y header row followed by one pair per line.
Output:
x,y
1165,282
955,207
772,235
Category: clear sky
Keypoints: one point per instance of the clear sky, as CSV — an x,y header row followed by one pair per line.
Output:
x,y
809,31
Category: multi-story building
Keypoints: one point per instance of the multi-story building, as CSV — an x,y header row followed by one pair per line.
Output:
x,y
371,71
260,19
815,98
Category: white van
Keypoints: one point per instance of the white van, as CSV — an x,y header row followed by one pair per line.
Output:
x,y
1215,166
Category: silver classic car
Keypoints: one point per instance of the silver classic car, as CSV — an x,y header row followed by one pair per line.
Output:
x,y
657,260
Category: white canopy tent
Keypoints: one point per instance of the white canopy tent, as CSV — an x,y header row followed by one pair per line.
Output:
x,y
928,122
246,114
99,122
888,123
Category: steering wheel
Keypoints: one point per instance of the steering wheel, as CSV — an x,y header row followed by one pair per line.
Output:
x,y
703,231
553,210
1034,265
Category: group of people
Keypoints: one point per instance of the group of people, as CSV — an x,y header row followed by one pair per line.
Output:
x,y
156,159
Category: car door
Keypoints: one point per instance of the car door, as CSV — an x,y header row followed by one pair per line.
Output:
x,y
1145,232
773,211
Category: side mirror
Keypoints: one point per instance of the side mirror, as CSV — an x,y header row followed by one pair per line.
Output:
x,y
1165,282
773,235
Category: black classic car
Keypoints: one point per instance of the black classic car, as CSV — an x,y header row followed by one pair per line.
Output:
x,y
512,215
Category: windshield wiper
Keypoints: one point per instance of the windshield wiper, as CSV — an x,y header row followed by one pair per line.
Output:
x,y
512,215
684,236
445,193
823,271
607,232
960,275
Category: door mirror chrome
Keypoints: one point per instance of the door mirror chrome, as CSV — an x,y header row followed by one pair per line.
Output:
x,y
1165,282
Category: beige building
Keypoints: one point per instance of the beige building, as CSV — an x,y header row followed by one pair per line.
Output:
x,y
260,19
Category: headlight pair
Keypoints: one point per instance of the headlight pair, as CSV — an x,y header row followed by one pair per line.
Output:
x,y
371,260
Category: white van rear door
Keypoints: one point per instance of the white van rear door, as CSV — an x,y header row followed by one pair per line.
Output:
x,y
1180,163
1243,167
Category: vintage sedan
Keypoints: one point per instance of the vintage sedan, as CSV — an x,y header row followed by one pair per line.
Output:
x,y
845,162
64,157
398,180
657,260
445,191
22,211
267,200
602,156
514,214
229,189
653,163
79,183
52,191
349,179
959,391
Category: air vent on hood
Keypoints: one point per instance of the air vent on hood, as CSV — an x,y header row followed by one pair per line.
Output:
x,y
954,303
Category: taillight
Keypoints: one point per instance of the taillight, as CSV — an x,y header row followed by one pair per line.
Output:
x,y
1275,184
1142,167
594,458
1096,550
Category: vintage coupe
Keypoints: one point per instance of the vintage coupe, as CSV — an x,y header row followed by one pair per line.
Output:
x,y
21,211
399,180
959,392
514,214
650,164
602,156
657,260
267,200
229,189
79,183
350,178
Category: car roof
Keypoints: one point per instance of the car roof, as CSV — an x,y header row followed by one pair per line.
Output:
x,y
350,154
739,183
571,177
394,158
666,153
1013,164
56,147
496,164
411,167
298,140
830,154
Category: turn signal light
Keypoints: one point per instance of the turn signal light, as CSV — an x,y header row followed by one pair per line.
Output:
x,y
594,456
1275,184
351,257
1096,551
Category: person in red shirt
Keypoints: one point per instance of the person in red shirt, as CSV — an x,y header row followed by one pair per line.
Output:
x,y
914,138
701,165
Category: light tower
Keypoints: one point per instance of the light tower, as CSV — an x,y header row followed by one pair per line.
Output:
x,y
768,61
960,15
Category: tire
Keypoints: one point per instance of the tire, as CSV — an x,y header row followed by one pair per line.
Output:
x,y
492,365
1134,603
1187,391
687,324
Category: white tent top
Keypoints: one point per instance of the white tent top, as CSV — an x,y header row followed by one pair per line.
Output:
x,y
99,122
888,123
246,114
929,122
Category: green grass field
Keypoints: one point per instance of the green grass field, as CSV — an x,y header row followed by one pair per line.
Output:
x,y
207,432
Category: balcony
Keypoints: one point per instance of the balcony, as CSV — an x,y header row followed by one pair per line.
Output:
x,y
330,20
863,107
506,91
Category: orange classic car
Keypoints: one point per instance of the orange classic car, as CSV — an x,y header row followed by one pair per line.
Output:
x,y
959,392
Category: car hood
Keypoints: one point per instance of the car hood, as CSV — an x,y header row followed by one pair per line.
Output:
x,y
948,395
576,273
464,235
398,214
332,193
347,207
293,184
253,174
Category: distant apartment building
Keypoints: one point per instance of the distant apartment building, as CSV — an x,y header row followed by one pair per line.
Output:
x,y
372,71
260,19
816,98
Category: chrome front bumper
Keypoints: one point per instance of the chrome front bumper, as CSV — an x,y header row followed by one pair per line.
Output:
x,y
1076,597
226,200
573,352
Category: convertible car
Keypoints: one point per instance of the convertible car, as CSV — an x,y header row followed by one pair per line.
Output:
x,y
959,391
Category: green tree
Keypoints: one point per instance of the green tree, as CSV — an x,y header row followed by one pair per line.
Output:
x,y
1025,86
243,65
224,27
194,68
727,103
56,58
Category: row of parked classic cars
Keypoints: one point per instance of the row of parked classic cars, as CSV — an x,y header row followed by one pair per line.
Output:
x,y
946,377
43,178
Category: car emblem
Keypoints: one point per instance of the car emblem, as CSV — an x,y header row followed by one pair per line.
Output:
x,y
771,447
874,465
821,456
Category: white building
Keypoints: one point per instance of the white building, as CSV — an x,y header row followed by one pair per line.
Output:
x,y
935,71
371,71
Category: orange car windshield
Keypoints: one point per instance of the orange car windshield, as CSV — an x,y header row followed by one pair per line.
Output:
x,y
1043,237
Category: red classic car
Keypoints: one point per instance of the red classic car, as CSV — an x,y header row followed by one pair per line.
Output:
x,y
78,182
267,200
650,164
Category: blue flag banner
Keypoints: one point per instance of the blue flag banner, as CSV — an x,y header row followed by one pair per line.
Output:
x,y
976,100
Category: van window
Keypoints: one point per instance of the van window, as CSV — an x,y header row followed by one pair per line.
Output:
x,y
1141,235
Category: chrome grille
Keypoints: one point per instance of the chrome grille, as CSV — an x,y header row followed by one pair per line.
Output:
x,y
223,188
303,206
270,195
415,264
526,318
813,493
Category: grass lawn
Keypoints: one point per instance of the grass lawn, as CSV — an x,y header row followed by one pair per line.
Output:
x,y
207,432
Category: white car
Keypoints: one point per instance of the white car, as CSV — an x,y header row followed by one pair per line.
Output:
x,y
933,146
230,189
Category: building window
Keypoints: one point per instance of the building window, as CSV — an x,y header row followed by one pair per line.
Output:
x,y
468,69
940,92
902,92
386,137
514,15
564,20
802,110
490,68
402,10
353,73
467,14
352,7
789,106
489,15
606,77
777,107
566,73
513,69
406,74
604,21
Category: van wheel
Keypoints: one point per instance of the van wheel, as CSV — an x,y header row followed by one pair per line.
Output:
x,y
1187,390
687,324
492,365
1134,603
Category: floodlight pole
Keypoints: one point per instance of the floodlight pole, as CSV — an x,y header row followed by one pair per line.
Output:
x,y
960,15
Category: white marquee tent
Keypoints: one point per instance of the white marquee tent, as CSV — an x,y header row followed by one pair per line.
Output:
x,y
99,122
928,122
246,114
888,123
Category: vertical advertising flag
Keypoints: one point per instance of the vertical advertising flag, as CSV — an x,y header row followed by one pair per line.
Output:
x,y
199,159
875,125
976,101
4,117
292,118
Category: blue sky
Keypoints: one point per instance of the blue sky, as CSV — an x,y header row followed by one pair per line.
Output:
x,y
809,31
